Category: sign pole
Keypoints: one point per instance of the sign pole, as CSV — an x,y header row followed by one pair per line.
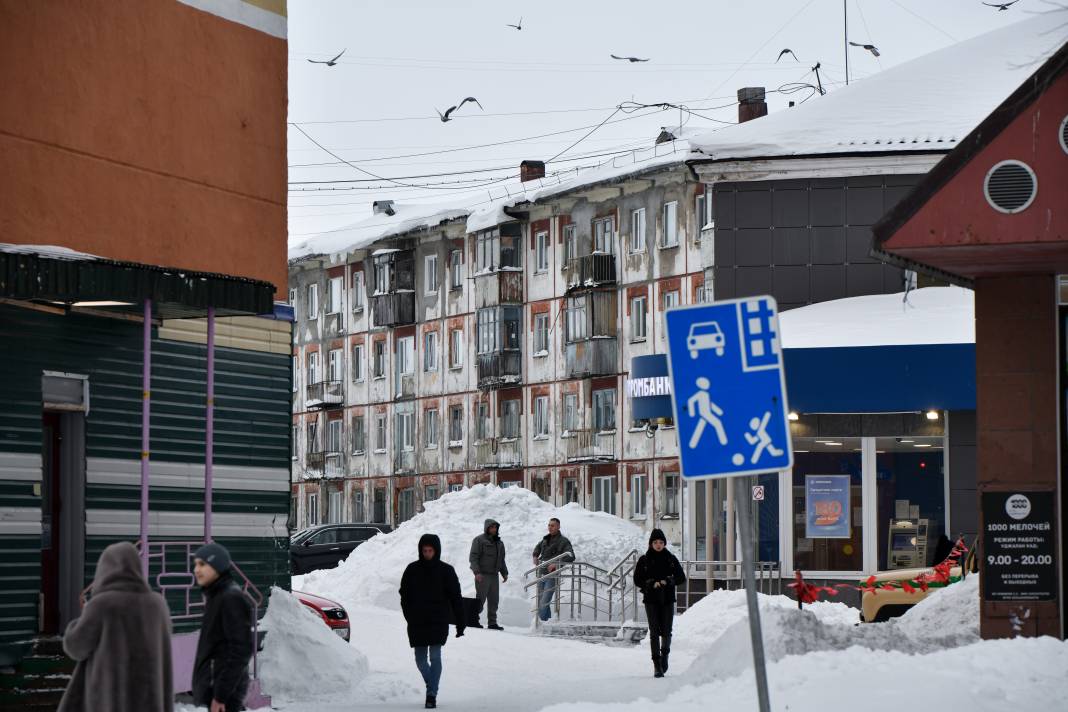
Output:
x,y
748,554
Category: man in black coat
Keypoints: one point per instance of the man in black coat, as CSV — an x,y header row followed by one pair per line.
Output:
x,y
430,598
657,573
220,673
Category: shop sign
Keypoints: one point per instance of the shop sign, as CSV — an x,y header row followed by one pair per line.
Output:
x,y
827,506
1018,546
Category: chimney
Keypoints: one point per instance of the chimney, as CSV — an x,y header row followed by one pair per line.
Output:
x,y
383,206
530,170
751,104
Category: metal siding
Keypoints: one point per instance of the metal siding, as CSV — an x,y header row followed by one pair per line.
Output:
x,y
98,496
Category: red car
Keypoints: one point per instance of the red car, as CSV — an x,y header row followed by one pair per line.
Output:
x,y
332,613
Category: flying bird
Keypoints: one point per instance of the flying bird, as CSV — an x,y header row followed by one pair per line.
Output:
x,y
1001,6
787,51
629,59
870,47
448,112
518,27
328,62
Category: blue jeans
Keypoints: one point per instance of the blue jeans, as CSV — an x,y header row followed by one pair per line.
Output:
x,y
546,592
430,669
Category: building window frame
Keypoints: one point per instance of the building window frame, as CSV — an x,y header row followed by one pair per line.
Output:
x,y
637,231
540,415
430,351
313,301
430,275
430,428
669,218
639,311
359,291
541,252
639,487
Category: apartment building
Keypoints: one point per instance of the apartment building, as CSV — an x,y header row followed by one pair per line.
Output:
x,y
441,346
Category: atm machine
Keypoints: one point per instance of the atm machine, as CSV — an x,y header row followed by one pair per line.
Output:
x,y
907,544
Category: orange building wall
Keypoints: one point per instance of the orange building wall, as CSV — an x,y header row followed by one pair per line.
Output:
x,y
144,130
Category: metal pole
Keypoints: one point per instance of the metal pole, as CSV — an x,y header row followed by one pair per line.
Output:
x,y
741,491
146,399
209,446
845,36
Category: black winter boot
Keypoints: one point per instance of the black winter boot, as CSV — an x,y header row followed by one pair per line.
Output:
x,y
658,670
431,702
664,659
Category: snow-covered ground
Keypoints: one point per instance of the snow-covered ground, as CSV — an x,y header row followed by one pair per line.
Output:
x,y
820,659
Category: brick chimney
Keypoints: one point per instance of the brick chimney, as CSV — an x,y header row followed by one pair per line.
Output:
x,y
531,170
751,104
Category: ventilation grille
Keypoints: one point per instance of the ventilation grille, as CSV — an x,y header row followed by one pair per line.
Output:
x,y
1010,186
1064,134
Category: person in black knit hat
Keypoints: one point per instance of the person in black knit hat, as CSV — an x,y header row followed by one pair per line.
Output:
x,y
657,573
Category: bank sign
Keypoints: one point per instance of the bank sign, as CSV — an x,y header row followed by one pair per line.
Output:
x,y
649,387
1018,546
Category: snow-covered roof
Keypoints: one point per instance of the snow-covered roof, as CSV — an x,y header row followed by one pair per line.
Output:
x,y
406,217
54,252
932,315
929,103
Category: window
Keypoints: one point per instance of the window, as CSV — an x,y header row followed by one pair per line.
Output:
x,y
456,348
487,249
333,301
358,291
671,299
296,373
456,269
430,427
486,336
456,488
357,363
541,416
313,301
604,494
294,442
382,268
380,432
359,512
541,252
406,431
405,504
358,436
510,419
334,508
311,514
637,230
313,367
604,409
335,371
430,270
456,424
570,411
639,487
570,243
313,438
430,493
671,494
909,485
604,235
379,505
482,421
571,490
293,298
576,318
378,349
541,333
430,351
699,214
406,355
333,436
638,311
670,224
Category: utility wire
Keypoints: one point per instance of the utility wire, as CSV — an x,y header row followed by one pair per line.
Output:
x,y
924,20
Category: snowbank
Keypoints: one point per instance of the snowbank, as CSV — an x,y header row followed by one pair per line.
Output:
x,y
302,657
371,574
953,611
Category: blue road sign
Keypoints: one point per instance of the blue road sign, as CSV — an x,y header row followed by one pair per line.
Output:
x,y
728,388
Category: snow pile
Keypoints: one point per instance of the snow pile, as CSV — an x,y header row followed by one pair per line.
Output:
x,y
371,574
302,657
950,611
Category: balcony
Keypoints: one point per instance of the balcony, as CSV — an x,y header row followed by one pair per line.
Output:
x,y
498,369
590,270
393,308
498,454
403,462
324,463
598,356
591,446
326,394
503,286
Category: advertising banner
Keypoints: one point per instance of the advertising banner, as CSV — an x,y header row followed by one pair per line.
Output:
x,y
1019,531
827,507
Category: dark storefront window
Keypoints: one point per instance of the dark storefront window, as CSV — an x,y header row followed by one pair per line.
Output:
x,y
828,505
910,488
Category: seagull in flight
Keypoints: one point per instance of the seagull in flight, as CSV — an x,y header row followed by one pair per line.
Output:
x,y
870,47
448,112
328,62
629,59
1002,7
518,27
787,51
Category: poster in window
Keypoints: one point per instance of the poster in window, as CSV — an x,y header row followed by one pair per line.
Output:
x,y
827,507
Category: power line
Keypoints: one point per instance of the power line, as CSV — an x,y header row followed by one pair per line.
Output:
x,y
924,20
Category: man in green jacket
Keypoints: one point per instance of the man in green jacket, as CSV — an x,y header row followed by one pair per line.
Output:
x,y
551,545
487,561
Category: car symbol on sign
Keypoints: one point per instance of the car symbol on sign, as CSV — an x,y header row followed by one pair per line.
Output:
x,y
705,335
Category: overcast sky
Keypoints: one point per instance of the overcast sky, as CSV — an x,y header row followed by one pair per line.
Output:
x,y
405,59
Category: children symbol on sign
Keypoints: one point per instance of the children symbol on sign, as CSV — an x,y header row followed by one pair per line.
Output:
x,y
701,402
760,438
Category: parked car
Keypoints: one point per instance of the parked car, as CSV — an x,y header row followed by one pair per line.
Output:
x,y
327,545
332,612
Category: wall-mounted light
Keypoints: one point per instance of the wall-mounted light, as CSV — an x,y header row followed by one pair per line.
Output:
x,y
792,415
932,415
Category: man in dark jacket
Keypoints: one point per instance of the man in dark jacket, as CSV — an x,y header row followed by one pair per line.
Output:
x,y
429,593
220,673
551,545
487,562
657,573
